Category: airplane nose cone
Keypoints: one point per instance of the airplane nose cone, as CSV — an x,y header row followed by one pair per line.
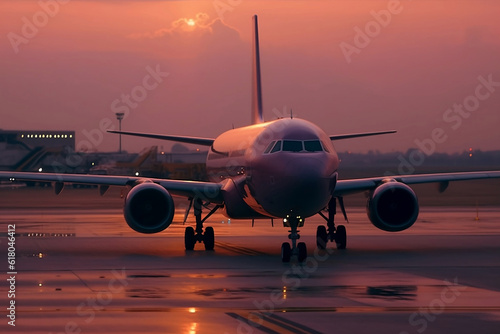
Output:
x,y
304,175
305,169
293,184
306,186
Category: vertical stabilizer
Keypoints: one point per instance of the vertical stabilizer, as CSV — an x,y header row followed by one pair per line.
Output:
x,y
256,80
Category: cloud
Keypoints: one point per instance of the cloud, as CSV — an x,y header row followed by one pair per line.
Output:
x,y
196,27
188,38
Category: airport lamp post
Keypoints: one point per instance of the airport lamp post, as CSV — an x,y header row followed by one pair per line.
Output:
x,y
119,117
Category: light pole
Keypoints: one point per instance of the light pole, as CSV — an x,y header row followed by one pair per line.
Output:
x,y
119,117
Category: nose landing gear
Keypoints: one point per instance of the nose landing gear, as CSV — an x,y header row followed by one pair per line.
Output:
x,y
300,249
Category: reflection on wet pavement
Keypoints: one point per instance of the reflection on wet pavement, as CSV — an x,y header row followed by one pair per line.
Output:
x,y
97,276
392,291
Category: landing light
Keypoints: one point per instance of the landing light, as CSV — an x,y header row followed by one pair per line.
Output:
x,y
40,169
136,173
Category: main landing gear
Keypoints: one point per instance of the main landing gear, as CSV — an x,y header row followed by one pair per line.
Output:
x,y
300,249
192,236
337,234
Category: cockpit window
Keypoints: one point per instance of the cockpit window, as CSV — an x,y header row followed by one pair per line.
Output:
x,y
277,147
312,146
269,147
292,145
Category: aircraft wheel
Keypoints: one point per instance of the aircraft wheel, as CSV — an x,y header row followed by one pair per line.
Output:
x,y
209,238
302,251
321,237
286,252
341,237
189,239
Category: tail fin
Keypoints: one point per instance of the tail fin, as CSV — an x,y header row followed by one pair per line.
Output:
x,y
256,81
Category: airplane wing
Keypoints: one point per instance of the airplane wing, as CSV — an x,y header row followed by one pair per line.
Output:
x,y
345,187
363,134
181,139
208,191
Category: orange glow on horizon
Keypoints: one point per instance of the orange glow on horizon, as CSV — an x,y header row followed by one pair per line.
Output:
x,y
430,49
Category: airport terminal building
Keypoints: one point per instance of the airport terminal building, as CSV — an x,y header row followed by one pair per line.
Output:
x,y
54,151
28,150
33,138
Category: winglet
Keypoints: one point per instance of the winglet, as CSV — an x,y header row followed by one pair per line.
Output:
x,y
256,79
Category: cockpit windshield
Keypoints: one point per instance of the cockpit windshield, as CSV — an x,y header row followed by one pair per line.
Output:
x,y
292,146
313,146
295,146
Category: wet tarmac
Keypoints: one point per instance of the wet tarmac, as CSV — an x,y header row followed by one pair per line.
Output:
x,y
85,271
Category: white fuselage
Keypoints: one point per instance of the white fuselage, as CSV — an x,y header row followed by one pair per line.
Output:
x,y
274,169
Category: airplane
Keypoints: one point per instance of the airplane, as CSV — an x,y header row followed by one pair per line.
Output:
x,y
283,169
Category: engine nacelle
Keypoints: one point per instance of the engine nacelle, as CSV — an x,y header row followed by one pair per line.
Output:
x,y
392,206
149,208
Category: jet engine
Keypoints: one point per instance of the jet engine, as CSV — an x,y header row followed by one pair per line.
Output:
x,y
149,208
392,206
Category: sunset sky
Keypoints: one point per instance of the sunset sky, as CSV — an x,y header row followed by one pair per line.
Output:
x,y
71,66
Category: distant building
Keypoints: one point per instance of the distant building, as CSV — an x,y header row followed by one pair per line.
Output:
x,y
22,150
31,139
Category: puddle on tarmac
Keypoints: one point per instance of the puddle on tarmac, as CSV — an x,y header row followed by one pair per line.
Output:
x,y
401,292
147,276
147,293
392,292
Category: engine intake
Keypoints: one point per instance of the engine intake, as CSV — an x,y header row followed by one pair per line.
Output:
x,y
149,208
393,206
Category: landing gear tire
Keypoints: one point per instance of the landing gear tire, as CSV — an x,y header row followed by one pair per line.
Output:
x,y
302,251
286,252
189,238
341,237
209,238
321,237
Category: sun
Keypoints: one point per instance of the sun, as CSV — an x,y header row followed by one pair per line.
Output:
x,y
191,22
